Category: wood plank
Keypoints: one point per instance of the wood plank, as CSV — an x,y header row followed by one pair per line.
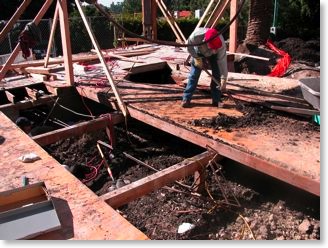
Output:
x,y
76,130
10,96
233,33
43,70
23,195
27,104
157,180
32,93
52,34
66,41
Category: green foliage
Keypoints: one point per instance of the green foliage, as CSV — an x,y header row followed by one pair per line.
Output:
x,y
299,18
131,6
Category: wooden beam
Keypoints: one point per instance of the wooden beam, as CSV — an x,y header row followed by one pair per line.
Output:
x,y
78,58
66,41
276,170
27,104
43,70
52,35
157,180
219,13
10,96
32,93
170,19
15,52
233,37
76,130
13,19
102,60
214,15
208,8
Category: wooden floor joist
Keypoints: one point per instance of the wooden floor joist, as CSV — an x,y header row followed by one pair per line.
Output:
x,y
76,130
27,103
157,180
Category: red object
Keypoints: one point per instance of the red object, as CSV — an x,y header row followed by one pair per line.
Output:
x,y
283,63
216,43
184,13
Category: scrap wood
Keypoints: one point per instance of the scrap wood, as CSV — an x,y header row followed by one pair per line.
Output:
x,y
105,161
288,109
117,56
301,111
252,96
75,58
135,52
266,93
43,70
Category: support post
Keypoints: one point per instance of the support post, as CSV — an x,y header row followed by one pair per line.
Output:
x,y
66,41
149,19
52,35
209,6
233,27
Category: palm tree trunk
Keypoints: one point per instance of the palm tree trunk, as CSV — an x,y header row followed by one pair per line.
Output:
x,y
260,18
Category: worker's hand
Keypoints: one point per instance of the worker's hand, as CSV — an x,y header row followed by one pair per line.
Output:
x,y
198,62
223,84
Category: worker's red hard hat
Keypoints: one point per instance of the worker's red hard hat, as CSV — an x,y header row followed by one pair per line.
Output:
x,y
213,44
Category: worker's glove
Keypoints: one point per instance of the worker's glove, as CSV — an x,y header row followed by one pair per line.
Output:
x,y
223,84
198,62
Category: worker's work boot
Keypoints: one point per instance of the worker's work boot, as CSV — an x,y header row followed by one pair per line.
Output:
x,y
218,104
186,104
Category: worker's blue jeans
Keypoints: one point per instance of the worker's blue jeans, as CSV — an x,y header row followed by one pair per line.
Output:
x,y
194,77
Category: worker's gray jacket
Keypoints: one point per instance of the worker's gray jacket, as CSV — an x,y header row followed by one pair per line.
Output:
x,y
198,36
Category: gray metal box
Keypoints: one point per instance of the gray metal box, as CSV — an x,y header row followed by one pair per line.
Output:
x,y
311,91
27,212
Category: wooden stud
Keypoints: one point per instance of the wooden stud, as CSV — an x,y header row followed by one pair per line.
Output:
x,y
52,35
233,37
66,41
75,130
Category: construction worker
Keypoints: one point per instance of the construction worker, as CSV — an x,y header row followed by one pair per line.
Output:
x,y
213,53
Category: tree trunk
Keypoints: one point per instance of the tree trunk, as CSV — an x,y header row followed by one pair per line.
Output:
x,y
259,21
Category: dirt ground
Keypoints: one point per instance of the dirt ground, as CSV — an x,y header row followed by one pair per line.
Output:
x,y
236,203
